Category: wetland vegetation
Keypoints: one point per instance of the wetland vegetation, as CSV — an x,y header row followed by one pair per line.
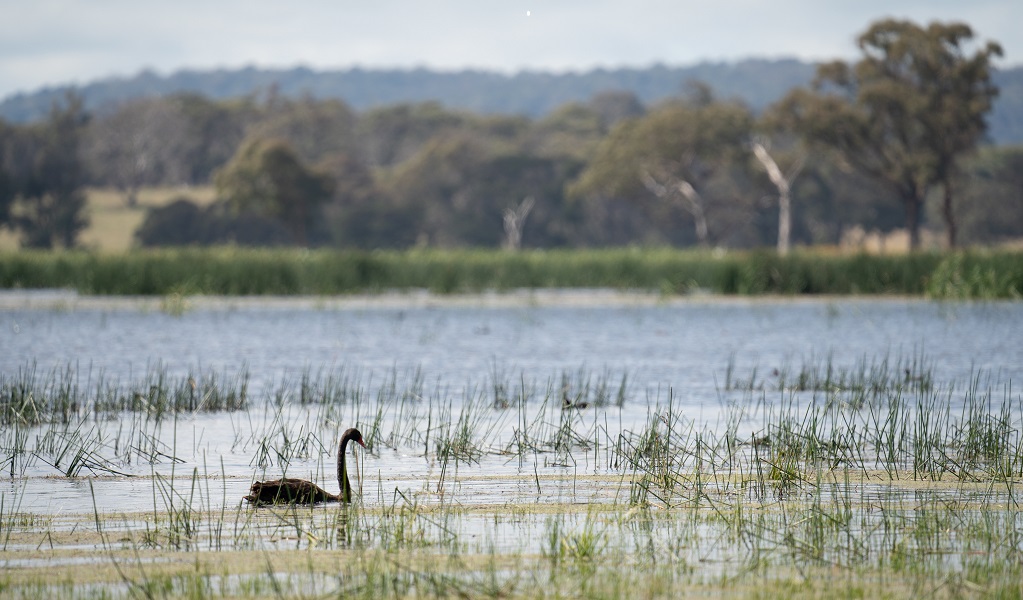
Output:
x,y
878,479
237,271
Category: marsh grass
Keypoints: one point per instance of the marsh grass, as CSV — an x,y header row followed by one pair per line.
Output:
x,y
582,546
175,274
978,275
858,477
831,536
71,393
865,380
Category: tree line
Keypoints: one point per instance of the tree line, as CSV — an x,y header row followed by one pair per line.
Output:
x,y
893,139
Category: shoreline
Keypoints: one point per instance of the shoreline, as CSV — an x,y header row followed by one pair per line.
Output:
x,y
57,299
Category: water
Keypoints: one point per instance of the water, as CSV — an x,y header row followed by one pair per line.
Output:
x,y
685,344
459,347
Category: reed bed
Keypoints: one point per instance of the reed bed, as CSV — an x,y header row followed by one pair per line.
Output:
x,y
886,414
237,271
29,397
874,480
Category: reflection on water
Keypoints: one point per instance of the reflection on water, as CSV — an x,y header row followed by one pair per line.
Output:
x,y
419,369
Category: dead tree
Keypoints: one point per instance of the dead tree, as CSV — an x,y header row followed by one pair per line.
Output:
x,y
677,188
784,185
514,220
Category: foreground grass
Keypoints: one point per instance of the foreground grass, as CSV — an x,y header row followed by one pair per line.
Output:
x,y
820,481
872,481
235,271
829,540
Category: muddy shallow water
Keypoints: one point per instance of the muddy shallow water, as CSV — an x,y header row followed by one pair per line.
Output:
x,y
454,353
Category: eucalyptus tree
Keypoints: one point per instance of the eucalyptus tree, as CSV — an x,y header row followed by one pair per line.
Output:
x,y
266,178
613,106
41,185
8,183
390,135
991,185
672,153
143,142
905,113
572,130
782,181
315,129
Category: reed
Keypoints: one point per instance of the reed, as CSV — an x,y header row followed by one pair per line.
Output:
x,y
70,393
175,274
985,275
886,414
839,478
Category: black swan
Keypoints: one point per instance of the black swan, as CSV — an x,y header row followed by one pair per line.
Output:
x,y
300,491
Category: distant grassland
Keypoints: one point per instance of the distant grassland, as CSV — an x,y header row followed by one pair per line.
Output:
x,y
236,271
112,223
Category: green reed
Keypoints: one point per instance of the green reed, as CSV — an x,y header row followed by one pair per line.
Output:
x,y
885,414
931,435
174,274
865,380
69,393
861,480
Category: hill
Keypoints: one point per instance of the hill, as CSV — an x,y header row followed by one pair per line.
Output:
x,y
533,93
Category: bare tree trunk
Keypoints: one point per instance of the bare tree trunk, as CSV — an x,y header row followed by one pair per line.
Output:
x,y
514,220
784,223
784,185
695,202
692,201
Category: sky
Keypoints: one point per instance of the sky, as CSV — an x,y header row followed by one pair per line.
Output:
x,y
63,42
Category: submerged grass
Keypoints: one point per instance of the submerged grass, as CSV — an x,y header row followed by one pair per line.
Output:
x,y
174,274
70,393
861,480
833,535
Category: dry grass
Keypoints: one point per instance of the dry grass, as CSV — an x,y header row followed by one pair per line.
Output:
x,y
112,223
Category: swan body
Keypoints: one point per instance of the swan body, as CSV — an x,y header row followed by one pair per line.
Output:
x,y
300,491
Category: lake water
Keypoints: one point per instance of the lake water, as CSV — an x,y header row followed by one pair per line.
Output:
x,y
458,349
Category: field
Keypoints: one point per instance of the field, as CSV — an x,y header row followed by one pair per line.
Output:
x,y
112,223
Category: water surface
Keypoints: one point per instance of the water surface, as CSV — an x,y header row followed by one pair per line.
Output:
x,y
667,350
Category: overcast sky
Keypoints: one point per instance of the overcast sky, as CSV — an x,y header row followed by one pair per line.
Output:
x,y
57,42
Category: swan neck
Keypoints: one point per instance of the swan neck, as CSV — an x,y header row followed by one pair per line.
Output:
x,y
342,472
